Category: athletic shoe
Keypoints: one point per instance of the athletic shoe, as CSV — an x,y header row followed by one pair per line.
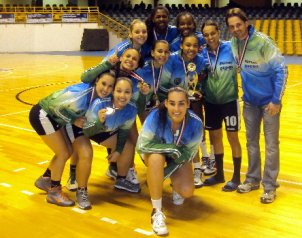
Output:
x,y
247,187
72,184
177,199
126,185
43,183
132,176
210,169
82,199
230,186
213,181
268,196
158,222
56,196
112,171
204,164
197,178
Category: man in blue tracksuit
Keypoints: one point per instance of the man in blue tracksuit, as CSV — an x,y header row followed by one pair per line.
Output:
x,y
264,73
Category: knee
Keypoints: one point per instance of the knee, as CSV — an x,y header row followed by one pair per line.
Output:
x,y
187,191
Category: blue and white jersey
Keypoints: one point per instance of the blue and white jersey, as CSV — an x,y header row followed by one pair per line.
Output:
x,y
169,36
178,72
156,137
175,44
263,69
121,47
122,118
66,105
149,76
220,85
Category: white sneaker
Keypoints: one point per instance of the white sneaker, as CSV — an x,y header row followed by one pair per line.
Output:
x,y
158,223
177,199
72,183
197,178
211,167
132,176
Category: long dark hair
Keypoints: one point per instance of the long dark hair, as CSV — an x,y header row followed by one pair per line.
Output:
x,y
162,110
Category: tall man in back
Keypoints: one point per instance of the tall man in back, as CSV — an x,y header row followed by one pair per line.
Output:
x,y
263,72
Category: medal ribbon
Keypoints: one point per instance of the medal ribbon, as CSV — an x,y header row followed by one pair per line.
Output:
x,y
181,132
156,83
239,59
216,60
137,77
155,35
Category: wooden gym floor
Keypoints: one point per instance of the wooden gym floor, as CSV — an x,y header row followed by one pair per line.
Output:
x,y
25,78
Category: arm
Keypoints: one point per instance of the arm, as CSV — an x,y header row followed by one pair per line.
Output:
x,y
89,75
277,62
150,143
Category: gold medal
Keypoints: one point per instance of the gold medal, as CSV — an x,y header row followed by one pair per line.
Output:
x,y
191,67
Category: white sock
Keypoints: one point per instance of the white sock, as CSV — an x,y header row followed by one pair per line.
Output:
x,y
197,165
157,204
212,156
204,150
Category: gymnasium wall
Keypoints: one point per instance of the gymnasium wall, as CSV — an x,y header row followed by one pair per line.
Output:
x,y
45,37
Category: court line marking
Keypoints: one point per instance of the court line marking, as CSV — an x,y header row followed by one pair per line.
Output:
x,y
18,170
108,220
78,210
278,180
43,162
24,129
16,127
27,192
144,232
5,185
13,113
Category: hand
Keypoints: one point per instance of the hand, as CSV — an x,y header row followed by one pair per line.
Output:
x,y
273,109
144,88
113,59
102,115
79,122
113,157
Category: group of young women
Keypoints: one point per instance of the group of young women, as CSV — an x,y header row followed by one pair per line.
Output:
x,y
167,76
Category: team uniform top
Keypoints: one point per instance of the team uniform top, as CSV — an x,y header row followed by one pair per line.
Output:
x,y
121,120
121,47
66,105
92,73
263,69
175,44
150,77
220,85
178,72
169,36
157,138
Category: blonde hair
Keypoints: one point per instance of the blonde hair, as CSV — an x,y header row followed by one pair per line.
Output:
x,y
135,21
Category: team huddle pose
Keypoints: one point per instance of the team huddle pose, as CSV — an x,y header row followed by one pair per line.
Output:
x,y
178,82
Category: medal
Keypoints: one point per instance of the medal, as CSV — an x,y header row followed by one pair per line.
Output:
x,y
191,67
109,110
213,68
156,83
240,57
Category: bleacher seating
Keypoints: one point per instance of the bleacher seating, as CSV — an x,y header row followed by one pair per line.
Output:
x,y
281,22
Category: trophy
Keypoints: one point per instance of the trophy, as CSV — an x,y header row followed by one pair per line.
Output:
x,y
192,80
